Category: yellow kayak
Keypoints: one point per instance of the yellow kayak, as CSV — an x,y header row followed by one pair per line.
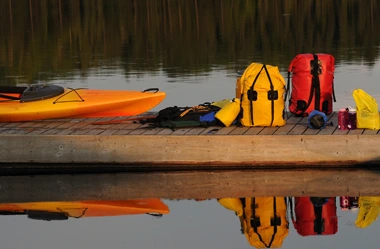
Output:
x,y
46,101
83,209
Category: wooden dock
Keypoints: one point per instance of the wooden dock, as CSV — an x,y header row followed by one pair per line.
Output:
x,y
117,143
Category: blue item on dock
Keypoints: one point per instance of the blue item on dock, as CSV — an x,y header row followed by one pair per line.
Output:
x,y
317,120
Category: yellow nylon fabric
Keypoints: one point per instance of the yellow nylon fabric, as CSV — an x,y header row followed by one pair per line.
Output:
x,y
266,236
229,112
221,103
262,107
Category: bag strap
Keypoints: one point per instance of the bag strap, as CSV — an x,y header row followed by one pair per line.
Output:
x,y
333,91
251,91
272,90
287,87
315,86
274,225
315,82
318,222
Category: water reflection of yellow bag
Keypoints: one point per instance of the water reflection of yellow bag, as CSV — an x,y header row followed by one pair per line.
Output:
x,y
229,112
369,209
263,219
367,114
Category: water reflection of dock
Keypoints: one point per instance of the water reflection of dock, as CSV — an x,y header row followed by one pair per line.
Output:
x,y
190,185
128,144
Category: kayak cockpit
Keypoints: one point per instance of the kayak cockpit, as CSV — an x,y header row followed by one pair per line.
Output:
x,y
41,91
30,93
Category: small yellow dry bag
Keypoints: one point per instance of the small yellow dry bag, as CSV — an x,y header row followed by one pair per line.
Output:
x,y
229,112
221,103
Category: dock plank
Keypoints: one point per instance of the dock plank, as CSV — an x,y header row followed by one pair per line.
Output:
x,y
253,130
370,132
67,131
14,124
32,124
283,130
330,129
290,122
122,132
268,130
225,130
99,132
356,132
36,131
53,124
196,131
300,127
310,131
240,130
2,124
165,131
340,132
140,129
152,131
121,125
181,131
17,131
10,131
210,130
66,124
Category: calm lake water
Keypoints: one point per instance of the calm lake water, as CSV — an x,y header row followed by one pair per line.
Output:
x,y
188,224
192,50
178,210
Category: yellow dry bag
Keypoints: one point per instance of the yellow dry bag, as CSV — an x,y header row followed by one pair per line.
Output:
x,y
262,99
228,114
220,103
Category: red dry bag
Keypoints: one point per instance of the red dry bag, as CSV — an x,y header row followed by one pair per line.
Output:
x,y
312,84
315,216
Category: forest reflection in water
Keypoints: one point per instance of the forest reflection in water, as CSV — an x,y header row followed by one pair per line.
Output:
x,y
47,40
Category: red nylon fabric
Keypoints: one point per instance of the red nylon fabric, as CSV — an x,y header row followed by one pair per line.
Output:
x,y
300,67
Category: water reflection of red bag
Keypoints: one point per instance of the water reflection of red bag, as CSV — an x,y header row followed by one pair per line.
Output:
x,y
315,216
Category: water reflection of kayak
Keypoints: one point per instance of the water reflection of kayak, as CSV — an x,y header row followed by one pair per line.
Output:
x,y
82,209
45,101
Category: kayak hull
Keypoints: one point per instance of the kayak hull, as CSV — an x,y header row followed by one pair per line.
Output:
x,y
83,209
81,103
